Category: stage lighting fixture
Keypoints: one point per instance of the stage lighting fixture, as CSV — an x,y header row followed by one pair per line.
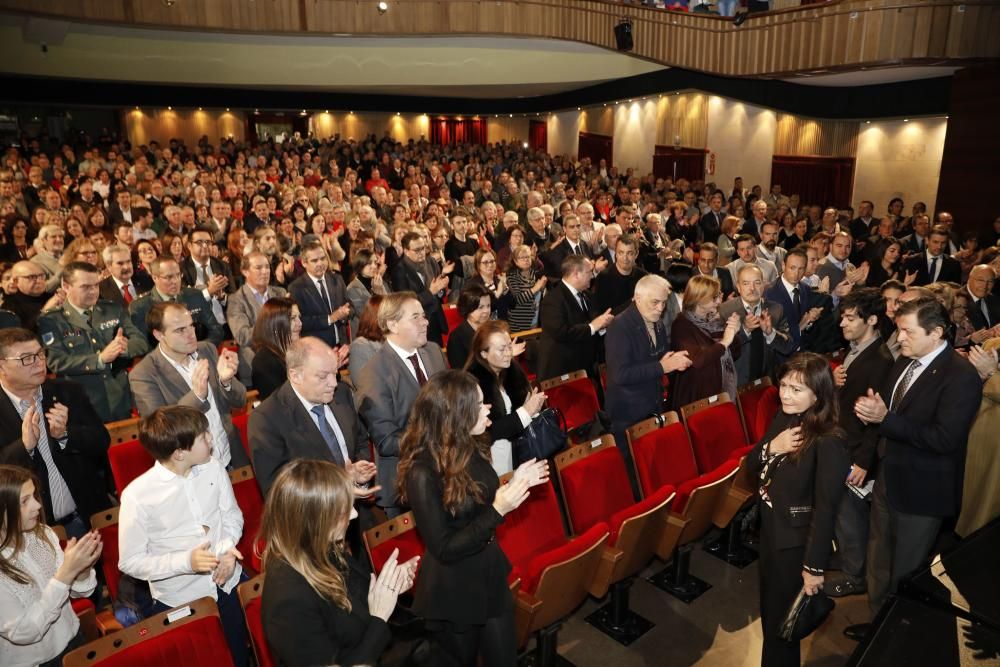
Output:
x,y
382,7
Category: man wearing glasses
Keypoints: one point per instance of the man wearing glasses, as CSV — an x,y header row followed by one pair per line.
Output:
x,y
166,274
30,299
92,341
50,428
414,274
207,274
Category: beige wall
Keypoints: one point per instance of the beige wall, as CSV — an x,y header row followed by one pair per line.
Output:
x,y
635,135
683,117
742,137
899,159
509,129
162,125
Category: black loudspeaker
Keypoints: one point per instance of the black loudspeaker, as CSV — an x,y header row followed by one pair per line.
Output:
x,y
623,35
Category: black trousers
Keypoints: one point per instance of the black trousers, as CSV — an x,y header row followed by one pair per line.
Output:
x,y
495,642
780,581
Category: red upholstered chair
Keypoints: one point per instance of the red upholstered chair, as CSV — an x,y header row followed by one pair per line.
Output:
x,y
123,431
556,573
716,431
86,612
574,395
398,533
106,523
452,317
251,503
596,489
759,403
249,593
240,421
128,460
158,641
528,337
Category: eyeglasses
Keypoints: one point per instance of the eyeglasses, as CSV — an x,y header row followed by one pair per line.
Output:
x,y
201,242
418,248
488,261
28,359
33,276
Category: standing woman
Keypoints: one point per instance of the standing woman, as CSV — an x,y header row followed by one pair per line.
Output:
x,y
369,270
526,284
474,307
278,325
485,261
37,623
446,477
800,465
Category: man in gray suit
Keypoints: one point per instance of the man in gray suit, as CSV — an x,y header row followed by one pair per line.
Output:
x,y
311,416
764,329
746,249
243,305
836,266
390,381
182,371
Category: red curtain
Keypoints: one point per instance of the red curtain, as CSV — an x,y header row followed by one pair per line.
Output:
x,y
597,147
674,163
458,131
538,135
825,181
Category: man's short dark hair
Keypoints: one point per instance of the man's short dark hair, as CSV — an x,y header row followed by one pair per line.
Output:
x,y
572,264
73,268
154,318
939,230
742,238
309,246
798,251
930,313
627,239
202,227
409,238
13,336
171,428
865,302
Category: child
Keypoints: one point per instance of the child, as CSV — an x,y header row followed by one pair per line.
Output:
x,y
179,522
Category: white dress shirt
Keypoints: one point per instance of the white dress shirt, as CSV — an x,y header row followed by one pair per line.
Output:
x,y
220,439
164,517
330,419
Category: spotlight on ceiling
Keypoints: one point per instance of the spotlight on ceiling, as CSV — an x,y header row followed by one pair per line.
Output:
x,y
382,7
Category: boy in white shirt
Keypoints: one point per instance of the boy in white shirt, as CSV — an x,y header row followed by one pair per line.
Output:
x,y
179,523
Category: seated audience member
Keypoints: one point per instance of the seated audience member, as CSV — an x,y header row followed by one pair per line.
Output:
x,y
243,306
458,502
504,384
369,280
123,285
179,524
571,330
799,235
981,487
614,286
638,357
92,342
182,371
166,275
526,288
312,416
731,225
984,307
81,250
708,265
916,243
38,626
388,384
50,427
278,325
49,247
711,344
485,263
411,275
934,264
474,307
764,336
367,340
321,296
746,251
321,605
924,410
866,365
31,300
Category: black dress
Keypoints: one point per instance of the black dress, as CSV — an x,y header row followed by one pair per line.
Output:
x,y
459,344
268,372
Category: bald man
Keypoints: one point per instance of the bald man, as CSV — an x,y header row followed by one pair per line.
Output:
x,y
31,298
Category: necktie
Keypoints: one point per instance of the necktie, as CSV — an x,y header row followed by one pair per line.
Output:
x,y
796,301
904,384
583,302
45,467
126,294
986,312
576,249
322,293
757,343
328,435
89,314
933,269
421,378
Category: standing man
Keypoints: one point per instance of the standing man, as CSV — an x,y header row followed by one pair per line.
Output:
x,y
410,275
166,274
572,244
31,298
321,296
615,285
764,330
92,342
795,297
711,221
934,264
933,396
244,305
746,251
708,262
768,247
984,307
207,274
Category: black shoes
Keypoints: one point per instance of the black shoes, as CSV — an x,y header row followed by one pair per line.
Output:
x,y
857,632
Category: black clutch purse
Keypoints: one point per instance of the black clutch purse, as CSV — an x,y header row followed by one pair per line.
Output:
x,y
805,615
543,438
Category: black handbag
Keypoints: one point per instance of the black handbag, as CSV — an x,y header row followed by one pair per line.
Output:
x,y
805,615
543,438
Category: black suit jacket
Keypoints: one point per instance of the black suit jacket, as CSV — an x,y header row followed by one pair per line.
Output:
x,y
868,371
805,495
635,377
950,271
976,316
315,314
406,278
281,429
189,274
552,259
82,463
923,466
566,344
141,282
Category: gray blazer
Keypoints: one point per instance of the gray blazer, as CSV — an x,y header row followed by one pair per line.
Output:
x,y
781,344
362,351
241,314
156,383
358,295
386,389
826,268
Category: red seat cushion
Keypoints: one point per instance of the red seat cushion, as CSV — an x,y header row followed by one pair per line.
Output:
x,y
128,460
577,400
685,490
200,642
595,487
664,458
81,605
256,628
409,544
251,503
716,433
639,508
759,407
109,558
533,528
571,549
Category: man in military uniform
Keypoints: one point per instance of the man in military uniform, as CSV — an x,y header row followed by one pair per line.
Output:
x,y
92,342
166,275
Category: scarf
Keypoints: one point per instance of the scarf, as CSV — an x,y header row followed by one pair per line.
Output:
x,y
713,328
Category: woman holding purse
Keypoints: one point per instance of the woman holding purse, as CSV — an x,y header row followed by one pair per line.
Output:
x,y
800,465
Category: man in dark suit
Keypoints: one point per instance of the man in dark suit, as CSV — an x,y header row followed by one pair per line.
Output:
x,y
124,285
933,396
121,210
637,361
166,274
934,264
708,260
389,383
764,332
916,243
207,274
321,296
984,307
711,221
571,331
866,366
63,441
182,371
310,416
572,244
410,275
794,296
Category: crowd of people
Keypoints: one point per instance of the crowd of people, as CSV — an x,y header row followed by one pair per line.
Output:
x,y
165,281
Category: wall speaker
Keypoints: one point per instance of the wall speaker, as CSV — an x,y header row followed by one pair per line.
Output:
x,y
623,35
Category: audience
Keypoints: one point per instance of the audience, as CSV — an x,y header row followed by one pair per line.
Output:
x,y
244,305
474,304
166,275
278,325
764,332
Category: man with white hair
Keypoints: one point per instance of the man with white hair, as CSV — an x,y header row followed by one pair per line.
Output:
x,y
48,249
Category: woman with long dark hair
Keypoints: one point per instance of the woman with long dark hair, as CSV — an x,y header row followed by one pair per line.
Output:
x,y
278,325
800,466
446,477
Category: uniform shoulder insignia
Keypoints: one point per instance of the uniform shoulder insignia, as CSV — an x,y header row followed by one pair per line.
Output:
x,y
48,338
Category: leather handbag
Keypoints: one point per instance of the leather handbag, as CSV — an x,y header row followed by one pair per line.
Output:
x,y
805,615
543,438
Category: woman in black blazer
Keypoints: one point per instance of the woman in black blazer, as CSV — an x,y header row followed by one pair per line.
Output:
x,y
504,386
446,478
278,325
801,465
474,307
319,606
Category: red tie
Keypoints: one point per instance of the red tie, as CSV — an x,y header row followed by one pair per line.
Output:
x,y
126,294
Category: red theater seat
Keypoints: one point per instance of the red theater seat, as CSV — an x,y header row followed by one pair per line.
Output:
x,y
716,431
452,317
759,403
240,421
251,503
574,395
106,523
249,593
128,460
398,533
